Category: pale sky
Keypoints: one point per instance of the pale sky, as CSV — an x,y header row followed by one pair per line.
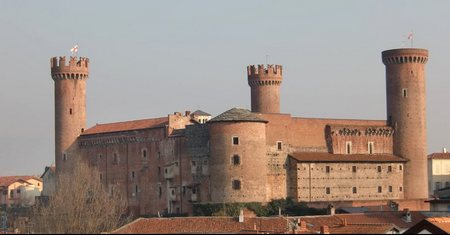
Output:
x,y
152,58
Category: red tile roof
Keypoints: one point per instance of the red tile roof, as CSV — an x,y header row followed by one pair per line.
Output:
x,y
378,222
126,126
5,181
441,222
327,157
439,156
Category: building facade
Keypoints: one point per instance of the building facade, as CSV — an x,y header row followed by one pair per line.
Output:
x,y
19,190
167,164
439,174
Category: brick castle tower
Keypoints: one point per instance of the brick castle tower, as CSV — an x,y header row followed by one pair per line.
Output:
x,y
406,104
70,105
265,87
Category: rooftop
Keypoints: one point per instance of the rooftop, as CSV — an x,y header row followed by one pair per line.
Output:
x,y
5,181
237,115
126,126
439,156
328,157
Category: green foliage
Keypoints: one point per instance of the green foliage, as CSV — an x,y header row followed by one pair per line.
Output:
x,y
287,206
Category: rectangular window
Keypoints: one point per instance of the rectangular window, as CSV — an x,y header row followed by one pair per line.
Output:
x,y
328,190
390,189
400,167
389,169
18,190
327,169
348,147
400,189
355,190
353,169
380,189
405,92
235,140
379,168
236,184
370,147
279,145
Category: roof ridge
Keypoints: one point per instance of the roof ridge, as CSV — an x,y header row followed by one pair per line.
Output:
x,y
135,120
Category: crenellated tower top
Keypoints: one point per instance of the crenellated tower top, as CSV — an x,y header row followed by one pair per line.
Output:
x,y
76,69
265,81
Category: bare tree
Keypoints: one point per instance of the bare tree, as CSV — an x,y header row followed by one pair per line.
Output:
x,y
81,204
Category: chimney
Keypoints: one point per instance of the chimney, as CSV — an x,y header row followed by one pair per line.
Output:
x,y
444,150
241,216
408,216
331,209
324,229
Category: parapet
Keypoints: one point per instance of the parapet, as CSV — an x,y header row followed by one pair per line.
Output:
x,y
262,70
76,69
405,55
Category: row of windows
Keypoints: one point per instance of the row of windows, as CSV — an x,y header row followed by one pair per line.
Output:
x,y
354,168
355,189
235,141
370,147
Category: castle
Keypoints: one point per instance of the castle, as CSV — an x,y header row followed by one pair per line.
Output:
x,y
170,163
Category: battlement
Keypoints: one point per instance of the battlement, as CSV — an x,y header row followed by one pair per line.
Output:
x,y
263,70
75,69
405,55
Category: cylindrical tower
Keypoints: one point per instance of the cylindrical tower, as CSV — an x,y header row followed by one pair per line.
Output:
x,y
238,157
70,105
265,87
406,104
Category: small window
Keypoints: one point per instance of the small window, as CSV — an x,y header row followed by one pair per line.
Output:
x,y
18,190
236,184
235,140
101,176
115,159
236,160
348,147
279,145
144,154
389,169
405,92
70,111
136,189
193,163
390,189
327,190
380,189
11,193
327,169
370,147
355,190
400,167
400,189
183,189
353,169
159,192
133,175
379,168
64,157
159,171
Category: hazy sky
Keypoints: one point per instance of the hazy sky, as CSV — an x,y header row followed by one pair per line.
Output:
x,y
151,58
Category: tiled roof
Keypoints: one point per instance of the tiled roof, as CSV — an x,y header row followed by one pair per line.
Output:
x,y
5,181
439,156
327,157
366,223
126,126
362,229
237,115
441,222
200,113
